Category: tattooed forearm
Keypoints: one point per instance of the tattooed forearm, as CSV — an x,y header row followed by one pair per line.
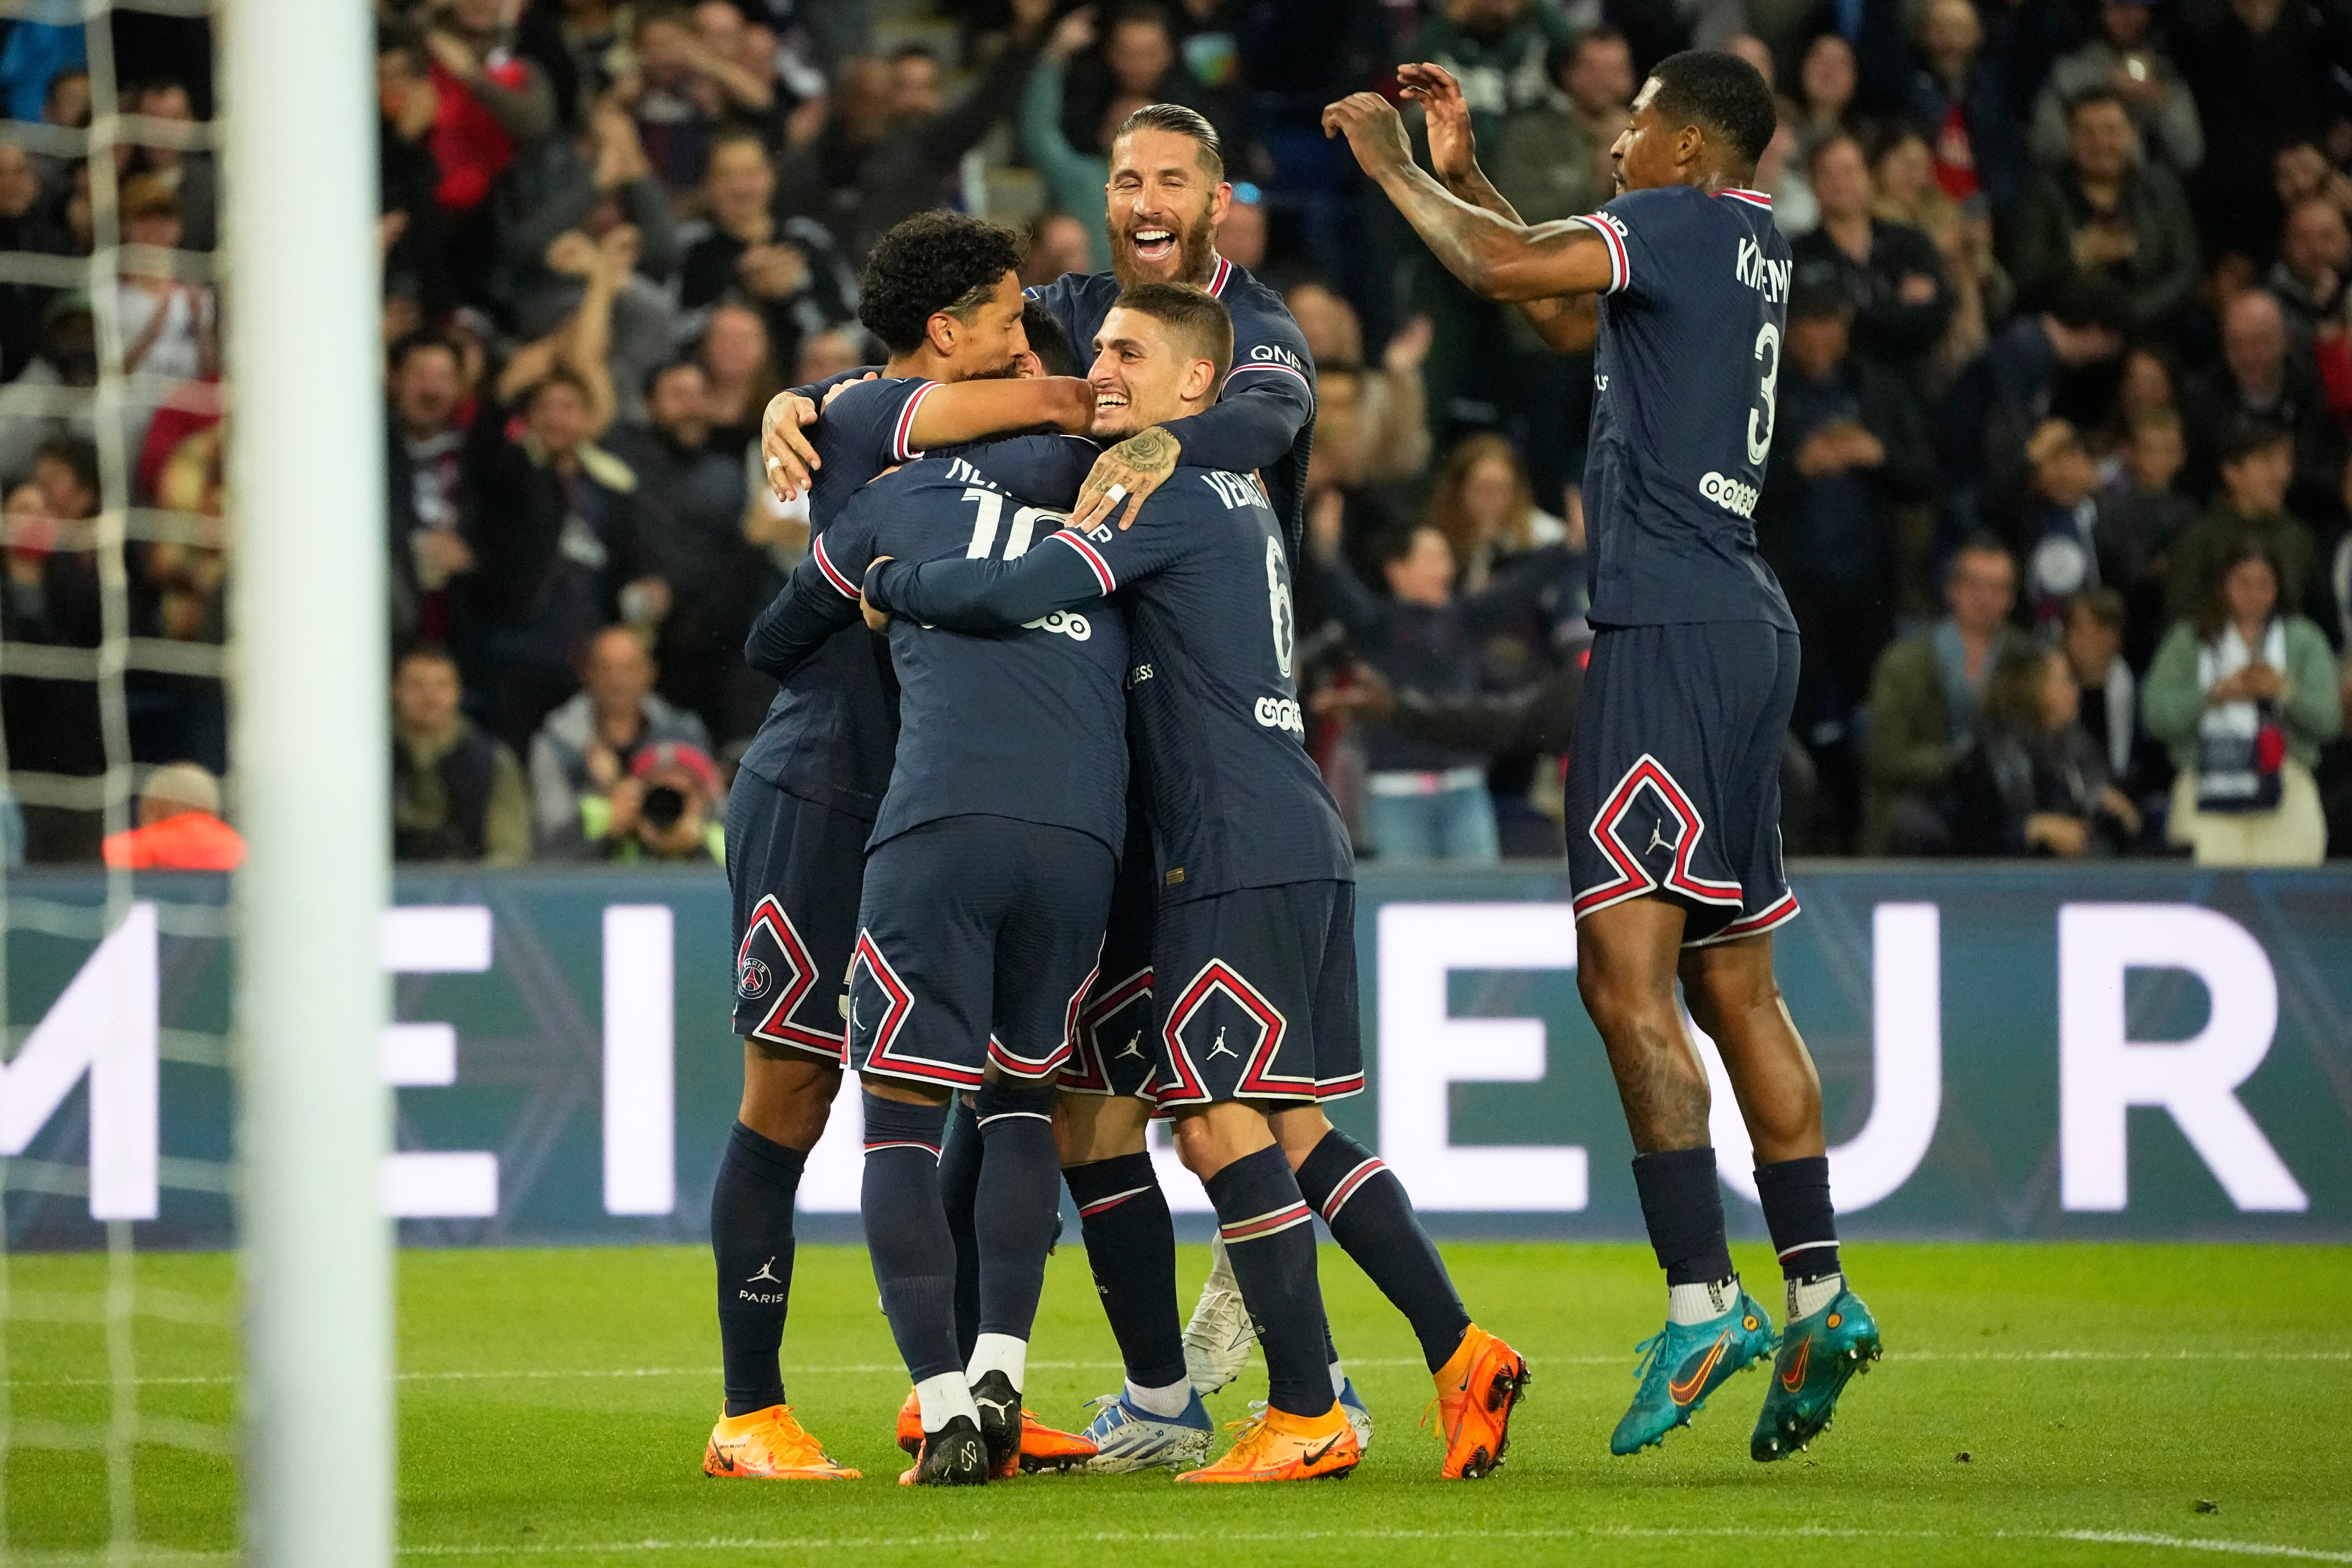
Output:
x,y
1479,190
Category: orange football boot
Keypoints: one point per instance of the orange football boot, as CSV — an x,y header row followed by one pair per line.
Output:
x,y
1477,1389
770,1445
1279,1447
1044,1448
911,1424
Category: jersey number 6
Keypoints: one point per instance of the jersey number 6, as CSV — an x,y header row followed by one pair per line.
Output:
x,y
1760,420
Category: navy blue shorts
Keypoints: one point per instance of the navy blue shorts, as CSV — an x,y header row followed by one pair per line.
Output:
x,y
976,942
1673,778
1257,995
1115,1050
794,868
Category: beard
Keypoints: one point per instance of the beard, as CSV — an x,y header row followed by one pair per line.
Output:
x,y
1195,248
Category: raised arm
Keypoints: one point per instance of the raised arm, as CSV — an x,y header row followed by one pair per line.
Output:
x,y
966,595
1496,258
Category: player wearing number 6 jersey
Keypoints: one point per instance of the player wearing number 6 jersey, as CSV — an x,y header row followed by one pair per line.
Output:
x,y
1673,787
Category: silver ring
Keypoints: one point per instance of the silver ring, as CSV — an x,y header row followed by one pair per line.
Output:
x,y
1115,494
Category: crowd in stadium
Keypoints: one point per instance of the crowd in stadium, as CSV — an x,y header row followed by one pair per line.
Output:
x,y
2060,490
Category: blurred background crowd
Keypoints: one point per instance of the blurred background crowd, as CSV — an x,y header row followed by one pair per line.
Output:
x,y
2060,490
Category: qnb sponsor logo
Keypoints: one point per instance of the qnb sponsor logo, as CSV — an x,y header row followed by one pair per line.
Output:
x,y
1270,354
1728,494
1062,622
1281,713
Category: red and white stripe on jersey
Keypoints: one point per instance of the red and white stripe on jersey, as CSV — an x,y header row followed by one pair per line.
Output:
x,y
1619,271
1269,364
1266,1224
1347,1185
832,574
1088,1211
904,431
1076,542
1218,279
1634,878
1753,198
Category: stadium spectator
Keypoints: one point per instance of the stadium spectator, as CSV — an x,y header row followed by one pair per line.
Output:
x,y
415,225
667,809
180,827
2257,464
24,225
593,741
2092,642
1484,505
2314,258
689,520
1390,406
2245,693
2062,522
52,600
1889,272
740,370
788,269
66,357
188,173
2334,772
2033,781
1849,448
1340,489
1497,50
1902,172
1241,233
2138,522
1552,160
168,326
457,793
425,501
1826,85
1058,244
1075,172
2262,375
2260,71
2108,212
1953,90
2037,361
1137,63
2124,60
680,90
1923,701
488,100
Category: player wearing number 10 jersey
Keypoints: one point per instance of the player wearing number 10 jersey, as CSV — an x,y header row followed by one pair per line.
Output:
x,y
1673,786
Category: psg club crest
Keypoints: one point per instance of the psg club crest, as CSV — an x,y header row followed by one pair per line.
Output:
x,y
752,979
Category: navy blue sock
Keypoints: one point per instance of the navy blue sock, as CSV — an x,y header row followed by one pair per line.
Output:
x,y
959,1190
1372,1218
907,1231
1269,1234
1020,1190
1796,1198
752,1241
1131,1247
1684,1209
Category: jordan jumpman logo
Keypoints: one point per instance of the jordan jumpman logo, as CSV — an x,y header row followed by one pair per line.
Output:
x,y
1134,1048
1657,837
767,1272
1219,1048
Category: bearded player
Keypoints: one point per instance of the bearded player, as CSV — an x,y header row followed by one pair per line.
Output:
x,y
1673,787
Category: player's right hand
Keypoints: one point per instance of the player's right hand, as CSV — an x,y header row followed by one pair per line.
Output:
x,y
1374,129
785,450
1453,150
877,619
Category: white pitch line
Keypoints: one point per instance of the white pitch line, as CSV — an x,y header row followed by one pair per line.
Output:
x,y
876,1369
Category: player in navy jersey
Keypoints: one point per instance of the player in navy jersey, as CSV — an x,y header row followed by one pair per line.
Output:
x,y
1673,788
1254,950
941,294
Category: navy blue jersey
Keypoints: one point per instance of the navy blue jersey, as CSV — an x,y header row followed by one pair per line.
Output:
x,y
1029,723
1684,378
830,733
1235,800
1265,416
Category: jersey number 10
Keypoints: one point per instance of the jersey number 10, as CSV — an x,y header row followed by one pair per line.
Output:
x,y
1017,538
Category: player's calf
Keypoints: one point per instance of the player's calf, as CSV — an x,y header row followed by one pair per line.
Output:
x,y
1830,1335
914,1261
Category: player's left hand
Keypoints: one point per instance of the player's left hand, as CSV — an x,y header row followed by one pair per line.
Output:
x,y
1453,150
791,458
1127,474
1374,129
877,619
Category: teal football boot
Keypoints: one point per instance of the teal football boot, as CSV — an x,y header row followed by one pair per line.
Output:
x,y
1683,1364
1817,1354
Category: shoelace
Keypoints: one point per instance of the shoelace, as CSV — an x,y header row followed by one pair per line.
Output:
x,y
1649,1350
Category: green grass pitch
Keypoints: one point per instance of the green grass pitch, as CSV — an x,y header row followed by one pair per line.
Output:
x,y
2043,1403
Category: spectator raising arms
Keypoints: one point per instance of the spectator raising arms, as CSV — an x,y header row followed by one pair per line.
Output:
x,y
2124,60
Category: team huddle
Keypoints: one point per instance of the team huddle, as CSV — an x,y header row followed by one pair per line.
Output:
x,y
1047,859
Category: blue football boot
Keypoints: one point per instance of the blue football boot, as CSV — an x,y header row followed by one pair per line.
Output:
x,y
1128,1438
1683,1364
1817,1354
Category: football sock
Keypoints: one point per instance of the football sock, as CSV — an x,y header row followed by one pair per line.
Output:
x,y
906,1233
960,1156
1796,1198
1169,1402
1683,1210
1331,1354
751,1240
1019,1189
943,1398
1372,1218
998,1352
1131,1247
1270,1233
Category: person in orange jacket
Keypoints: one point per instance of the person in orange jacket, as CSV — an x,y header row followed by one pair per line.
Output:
x,y
179,829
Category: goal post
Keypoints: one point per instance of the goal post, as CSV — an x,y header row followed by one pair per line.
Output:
x,y
306,472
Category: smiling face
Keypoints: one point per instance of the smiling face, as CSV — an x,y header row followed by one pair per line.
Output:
x,y
1163,210
740,182
1142,375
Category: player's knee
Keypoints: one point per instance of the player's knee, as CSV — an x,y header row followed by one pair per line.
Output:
x,y
899,1118
1009,1097
899,1091
1299,1129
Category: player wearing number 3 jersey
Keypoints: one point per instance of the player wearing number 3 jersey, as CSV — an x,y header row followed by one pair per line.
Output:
x,y
1681,287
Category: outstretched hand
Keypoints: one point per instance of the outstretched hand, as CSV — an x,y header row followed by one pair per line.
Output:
x,y
1374,129
1452,148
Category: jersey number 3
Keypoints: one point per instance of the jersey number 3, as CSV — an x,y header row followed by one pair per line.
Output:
x,y
1760,420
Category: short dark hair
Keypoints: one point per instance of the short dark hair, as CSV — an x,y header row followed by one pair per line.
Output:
x,y
1047,341
931,262
1137,11
2248,436
1178,120
1196,315
396,357
1813,154
562,375
1979,543
2098,92
2105,605
78,453
727,133
1817,298
1721,94
1397,543
653,376
2214,613
428,650
2084,301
